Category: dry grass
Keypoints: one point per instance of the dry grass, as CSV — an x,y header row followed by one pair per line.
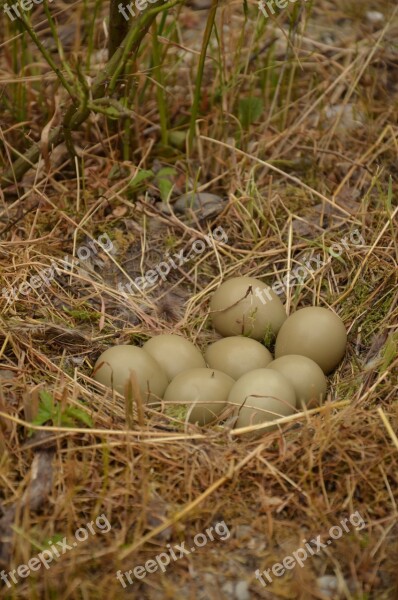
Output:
x,y
298,180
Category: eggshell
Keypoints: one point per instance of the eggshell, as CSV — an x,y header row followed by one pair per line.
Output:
x,y
306,377
315,332
261,396
174,354
246,306
205,391
237,355
119,362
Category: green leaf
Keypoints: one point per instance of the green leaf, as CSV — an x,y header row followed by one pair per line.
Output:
x,y
46,401
42,417
80,415
140,176
390,352
250,110
165,187
49,411
66,420
46,408
166,171
178,139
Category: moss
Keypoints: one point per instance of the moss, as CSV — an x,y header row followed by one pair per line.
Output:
x,y
176,411
84,315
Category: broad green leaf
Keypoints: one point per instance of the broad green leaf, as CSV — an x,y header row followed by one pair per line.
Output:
x,y
42,416
46,409
66,420
140,176
166,171
165,187
80,415
250,110
46,401
178,139
389,352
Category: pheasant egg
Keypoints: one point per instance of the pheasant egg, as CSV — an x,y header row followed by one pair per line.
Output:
x,y
174,354
261,396
315,332
237,355
115,366
246,306
306,377
204,391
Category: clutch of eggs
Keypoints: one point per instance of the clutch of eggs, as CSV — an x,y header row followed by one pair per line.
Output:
x,y
237,371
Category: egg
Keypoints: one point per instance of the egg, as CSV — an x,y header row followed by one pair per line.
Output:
x,y
174,354
237,355
114,367
246,306
204,391
315,332
261,396
306,377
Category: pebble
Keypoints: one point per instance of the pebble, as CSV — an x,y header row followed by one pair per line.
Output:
x,y
6,374
242,591
328,585
374,16
201,203
349,116
238,591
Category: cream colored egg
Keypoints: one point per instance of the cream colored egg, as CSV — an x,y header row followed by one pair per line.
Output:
x,y
306,377
315,332
262,396
174,353
246,306
237,355
203,391
115,366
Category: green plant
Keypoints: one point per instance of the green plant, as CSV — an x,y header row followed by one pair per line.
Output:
x,y
52,412
85,99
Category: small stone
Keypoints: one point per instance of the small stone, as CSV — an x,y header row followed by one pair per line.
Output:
x,y
243,531
201,203
228,588
349,116
329,586
242,591
375,17
6,374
